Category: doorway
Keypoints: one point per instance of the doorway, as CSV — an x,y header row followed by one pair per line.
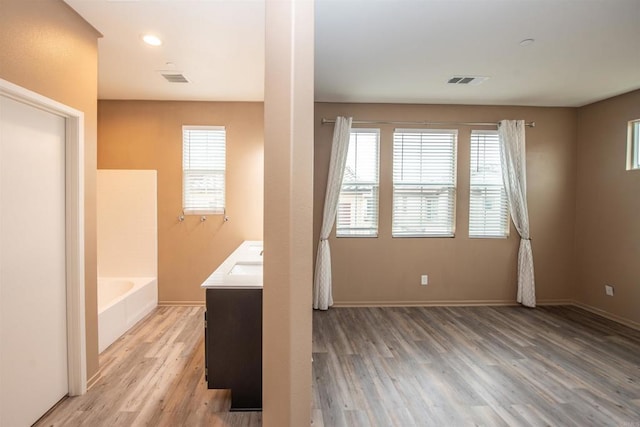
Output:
x,y
42,354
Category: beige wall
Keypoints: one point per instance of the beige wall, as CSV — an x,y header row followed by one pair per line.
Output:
x,y
608,208
148,135
387,270
47,48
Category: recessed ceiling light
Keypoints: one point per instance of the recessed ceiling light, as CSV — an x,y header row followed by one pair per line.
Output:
x,y
151,40
527,42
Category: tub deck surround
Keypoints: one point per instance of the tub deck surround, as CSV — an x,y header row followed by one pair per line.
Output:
x,y
127,246
123,302
233,327
241,270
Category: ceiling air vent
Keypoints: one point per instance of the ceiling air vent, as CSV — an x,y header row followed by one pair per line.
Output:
x,y
466,80
173,77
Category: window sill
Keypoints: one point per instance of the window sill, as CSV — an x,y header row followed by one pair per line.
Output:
x,y
424,236
203,212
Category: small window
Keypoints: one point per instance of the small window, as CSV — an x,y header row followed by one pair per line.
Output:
x,y
633,145
358,200
424,182
488,208
203,169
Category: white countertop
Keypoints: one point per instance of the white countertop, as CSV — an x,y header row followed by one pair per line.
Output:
x,y
241,270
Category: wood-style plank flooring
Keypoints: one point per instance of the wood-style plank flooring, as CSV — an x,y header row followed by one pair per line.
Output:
x,y
489,366
456,366
154,376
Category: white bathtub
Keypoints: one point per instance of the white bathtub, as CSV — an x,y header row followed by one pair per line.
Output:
x,y
122,302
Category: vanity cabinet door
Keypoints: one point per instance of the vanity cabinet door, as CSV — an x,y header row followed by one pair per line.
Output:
x,y
234,345
206,348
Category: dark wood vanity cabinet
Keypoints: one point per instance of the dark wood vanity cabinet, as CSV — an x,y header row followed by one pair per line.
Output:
x,y
233,345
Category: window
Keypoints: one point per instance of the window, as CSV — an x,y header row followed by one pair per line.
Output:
x,y
358,200
488,208
633,153
424,182
203,169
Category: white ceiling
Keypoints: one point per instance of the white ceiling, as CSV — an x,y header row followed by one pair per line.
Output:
x,y
217,44
378,50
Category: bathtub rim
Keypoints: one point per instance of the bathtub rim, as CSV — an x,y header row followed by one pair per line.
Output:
x,y
138,282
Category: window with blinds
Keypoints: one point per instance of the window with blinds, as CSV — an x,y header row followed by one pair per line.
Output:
x,y
424,182
488,208
203,169
633,145
358,201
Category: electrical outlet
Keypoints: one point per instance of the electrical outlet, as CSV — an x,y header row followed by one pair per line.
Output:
x,y
609,290
424,280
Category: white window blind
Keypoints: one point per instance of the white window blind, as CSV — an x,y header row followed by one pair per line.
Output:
x,y
203,169
633,151
488,208
358,200
424,182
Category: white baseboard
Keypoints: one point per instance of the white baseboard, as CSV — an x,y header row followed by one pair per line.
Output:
x,y
94,379
182,303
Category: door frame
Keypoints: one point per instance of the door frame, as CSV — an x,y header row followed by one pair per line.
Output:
x,y
74,221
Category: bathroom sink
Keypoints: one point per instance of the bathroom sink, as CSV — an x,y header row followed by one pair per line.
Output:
x,y
256,248
246,268
241,270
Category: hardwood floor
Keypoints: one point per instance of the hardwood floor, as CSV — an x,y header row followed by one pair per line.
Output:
x,y
437,366
154,376
458,366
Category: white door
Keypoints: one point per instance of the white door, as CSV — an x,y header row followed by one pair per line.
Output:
x,y
33,332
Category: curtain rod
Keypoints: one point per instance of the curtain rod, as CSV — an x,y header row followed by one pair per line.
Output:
x,y
387,122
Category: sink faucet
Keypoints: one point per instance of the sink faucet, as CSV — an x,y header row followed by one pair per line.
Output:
x,y
261,252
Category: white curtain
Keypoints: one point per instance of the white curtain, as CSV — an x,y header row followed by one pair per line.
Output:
x,y
514,172
322,298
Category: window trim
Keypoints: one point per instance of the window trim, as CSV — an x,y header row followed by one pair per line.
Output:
x,y
454,185
507,229
201,211
374,234
633,144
